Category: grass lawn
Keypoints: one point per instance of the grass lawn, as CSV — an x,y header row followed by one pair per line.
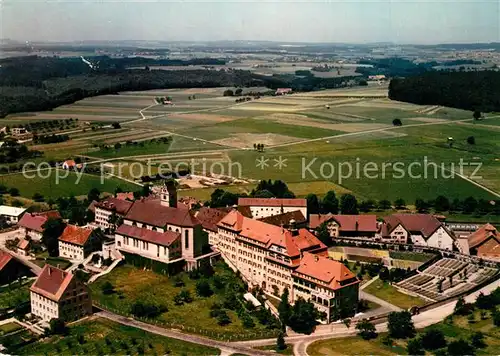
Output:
x,y
9,327
53,261
14,294
458,328
104,337
134,284
51,187
390,294
272,348
411,256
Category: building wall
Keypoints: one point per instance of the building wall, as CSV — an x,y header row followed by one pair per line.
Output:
x,y
148,249
265,211
102,217
35,235
441,239
75,303
71,251
43,307
399,235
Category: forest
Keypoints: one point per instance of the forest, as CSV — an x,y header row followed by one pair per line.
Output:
x,y
43,83
463,90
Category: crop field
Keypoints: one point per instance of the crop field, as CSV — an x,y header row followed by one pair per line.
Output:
x,y
312,132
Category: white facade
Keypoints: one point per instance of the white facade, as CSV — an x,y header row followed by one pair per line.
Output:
x,y
264,211
35,235
398,235
144,248
102,217
11,214
71,251
43,307
439,239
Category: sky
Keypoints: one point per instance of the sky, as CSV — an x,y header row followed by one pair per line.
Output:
x,y
341,21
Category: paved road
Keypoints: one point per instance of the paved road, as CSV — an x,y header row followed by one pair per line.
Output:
x,y
225,347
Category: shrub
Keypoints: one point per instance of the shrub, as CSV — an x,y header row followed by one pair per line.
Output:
x,y
146,310
366,330
203,288
433,339
107,288
223,319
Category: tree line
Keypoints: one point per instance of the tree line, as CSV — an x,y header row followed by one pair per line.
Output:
x,y
464,90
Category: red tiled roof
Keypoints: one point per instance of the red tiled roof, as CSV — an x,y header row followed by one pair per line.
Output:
x,y
114,204
209,217
125,196
285,218
35,221
151,212
160,238
52,282
5,258
23,244
326,270
424,224
75,235
364,223
272,202
270,234
482,234
70,163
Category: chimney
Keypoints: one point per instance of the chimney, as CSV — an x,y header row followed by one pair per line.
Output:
x,y
293,227
49,271
316,258
357,225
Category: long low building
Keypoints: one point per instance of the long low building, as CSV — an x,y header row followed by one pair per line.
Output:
x,y
11,213
264,207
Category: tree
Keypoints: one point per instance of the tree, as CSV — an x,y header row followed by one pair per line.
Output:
x,y
496,317
14,192
247,321
203,288
384,204
107,288
471,140
366,330
347,322
414,347
469,205
93,194
400,325
441,203
118,145
348,204
421,205
53,228
303,318
37,197
460,348
280,342
228,92
116,125
323,234
238,91
433,339
461,307
476,114
400,204
312,203
477,340
284,308
397,122
57,326
330,203
223,319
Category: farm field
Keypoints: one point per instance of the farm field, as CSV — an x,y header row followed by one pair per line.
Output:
x,y
51,189
312,132
102,336
14,294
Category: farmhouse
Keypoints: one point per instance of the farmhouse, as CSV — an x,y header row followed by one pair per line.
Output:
x,y
31,224
105,209
162,215
11,269
21,134
363,226
484,243
75,242
264,207
283,91
58,294
69,164
11,213
419,229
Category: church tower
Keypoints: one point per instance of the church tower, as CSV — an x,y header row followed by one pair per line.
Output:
x,y
168,194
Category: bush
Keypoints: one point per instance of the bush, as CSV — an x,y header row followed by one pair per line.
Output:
x,y
58,326
223,319
459,348
107,288
400,325
203,288
247,321
366,330
146,310
433,339
414,347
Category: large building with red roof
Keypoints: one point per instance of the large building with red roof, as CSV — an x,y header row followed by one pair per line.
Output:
x,y
31,224
267,256
419,229
58,294
364,226
106,208
74,242
162,215
264,207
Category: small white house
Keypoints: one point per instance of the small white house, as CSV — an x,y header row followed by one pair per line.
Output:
x,y
11,214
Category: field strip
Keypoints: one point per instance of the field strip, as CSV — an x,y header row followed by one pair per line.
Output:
x,y
473,182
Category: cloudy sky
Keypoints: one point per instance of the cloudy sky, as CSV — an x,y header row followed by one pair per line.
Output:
x,y
399,21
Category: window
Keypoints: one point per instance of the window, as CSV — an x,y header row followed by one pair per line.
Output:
x,y
186,239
